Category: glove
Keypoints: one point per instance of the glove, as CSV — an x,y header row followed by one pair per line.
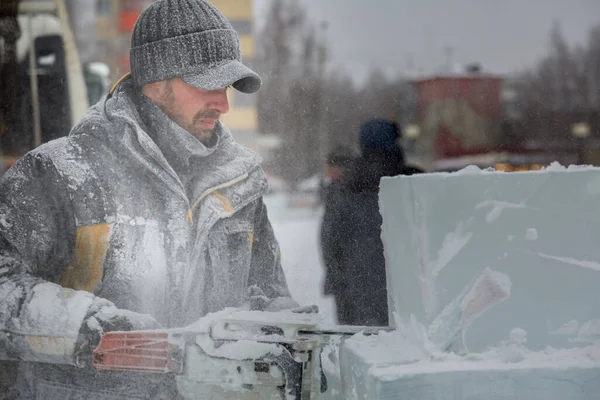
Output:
x,y
260,302
103,317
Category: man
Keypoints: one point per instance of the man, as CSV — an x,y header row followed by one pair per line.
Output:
x,y
147,215
351,232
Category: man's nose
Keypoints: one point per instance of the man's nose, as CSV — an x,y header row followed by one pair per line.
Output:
x,y
219,101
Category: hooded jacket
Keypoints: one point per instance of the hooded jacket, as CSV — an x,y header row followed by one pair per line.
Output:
x,y
101,213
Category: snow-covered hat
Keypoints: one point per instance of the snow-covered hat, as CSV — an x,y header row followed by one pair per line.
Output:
x,y
381,135
191,40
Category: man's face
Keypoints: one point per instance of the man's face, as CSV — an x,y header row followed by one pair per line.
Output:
x,y
195,110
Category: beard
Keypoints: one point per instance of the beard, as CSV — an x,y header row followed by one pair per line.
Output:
x,y
193,127
203,134
173,111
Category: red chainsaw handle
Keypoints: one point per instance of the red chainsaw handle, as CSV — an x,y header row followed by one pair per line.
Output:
x,y
140,351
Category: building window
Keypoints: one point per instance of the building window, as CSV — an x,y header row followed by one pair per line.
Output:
x,y
103,7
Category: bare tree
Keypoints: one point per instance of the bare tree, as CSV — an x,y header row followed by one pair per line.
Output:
x,y
593,66
276,57
290,103
568,78
563,89
314,111
343,105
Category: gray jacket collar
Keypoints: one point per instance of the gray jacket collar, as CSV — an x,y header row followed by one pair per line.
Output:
x,y
118,121
178,145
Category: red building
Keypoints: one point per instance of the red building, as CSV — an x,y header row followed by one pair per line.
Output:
x,y
460,119
459,113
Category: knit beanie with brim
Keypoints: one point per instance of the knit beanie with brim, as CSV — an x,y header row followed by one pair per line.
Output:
x,y
190,40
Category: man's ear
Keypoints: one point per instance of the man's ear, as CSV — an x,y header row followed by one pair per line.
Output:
x,y
153,90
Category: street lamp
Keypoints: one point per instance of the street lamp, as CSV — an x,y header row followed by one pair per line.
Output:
x,y
411,135
412,131
580,131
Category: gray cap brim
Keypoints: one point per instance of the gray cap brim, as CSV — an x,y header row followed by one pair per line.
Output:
x,y
231,73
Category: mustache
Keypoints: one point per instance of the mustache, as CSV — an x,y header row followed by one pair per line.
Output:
x,y
207,114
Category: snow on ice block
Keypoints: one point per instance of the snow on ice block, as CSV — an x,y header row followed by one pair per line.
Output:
x,y
539,229
377,369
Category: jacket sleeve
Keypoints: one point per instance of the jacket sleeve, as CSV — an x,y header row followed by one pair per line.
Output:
x,y
39,320
265,269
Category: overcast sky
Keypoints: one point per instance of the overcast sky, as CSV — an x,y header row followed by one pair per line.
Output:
x,y
502,35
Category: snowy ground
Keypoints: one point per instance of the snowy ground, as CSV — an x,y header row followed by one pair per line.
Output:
x,y
297,230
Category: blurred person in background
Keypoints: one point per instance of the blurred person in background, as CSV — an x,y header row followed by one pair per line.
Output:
x,y
351,233
338,161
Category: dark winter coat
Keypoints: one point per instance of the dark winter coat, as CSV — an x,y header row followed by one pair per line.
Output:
x,y
351,230
352,246
331,197
102,213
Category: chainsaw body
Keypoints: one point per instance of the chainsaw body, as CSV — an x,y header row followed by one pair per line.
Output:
x,y
231,354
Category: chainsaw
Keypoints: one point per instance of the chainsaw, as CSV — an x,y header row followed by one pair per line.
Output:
x,y
233,354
